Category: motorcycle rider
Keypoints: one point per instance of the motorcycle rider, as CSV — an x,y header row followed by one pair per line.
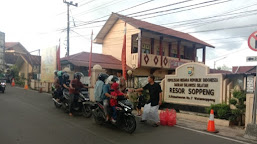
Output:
x,y
57,86
107,92
98,91
75,86
66,81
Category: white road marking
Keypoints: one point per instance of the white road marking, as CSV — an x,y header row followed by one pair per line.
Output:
x,y
238,141
32,90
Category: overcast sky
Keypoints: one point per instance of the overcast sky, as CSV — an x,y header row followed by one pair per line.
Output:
x,y
40,24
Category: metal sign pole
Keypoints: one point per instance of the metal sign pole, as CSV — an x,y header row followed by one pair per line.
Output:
x,y
255,100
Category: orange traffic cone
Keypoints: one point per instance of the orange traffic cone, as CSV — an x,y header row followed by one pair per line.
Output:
x,y
211,125
26,85
13,83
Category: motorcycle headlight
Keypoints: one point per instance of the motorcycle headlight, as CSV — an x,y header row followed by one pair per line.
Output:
x,y
2,83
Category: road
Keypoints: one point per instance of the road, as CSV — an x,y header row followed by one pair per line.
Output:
x,y
29,117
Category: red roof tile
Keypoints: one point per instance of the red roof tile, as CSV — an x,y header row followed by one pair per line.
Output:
x,y
9,45
106,61
243,69
154,28
32,59
160,29
220,71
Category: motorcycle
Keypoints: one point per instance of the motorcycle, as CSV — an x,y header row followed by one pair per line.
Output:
x,y
125,119
3,85
82,104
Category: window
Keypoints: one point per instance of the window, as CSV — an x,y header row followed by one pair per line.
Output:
x,y
158,51
146,48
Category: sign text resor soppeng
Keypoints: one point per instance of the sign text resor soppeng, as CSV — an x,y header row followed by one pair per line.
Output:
x,y
193,85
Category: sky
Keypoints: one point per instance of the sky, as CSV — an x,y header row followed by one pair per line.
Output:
x,y
40,24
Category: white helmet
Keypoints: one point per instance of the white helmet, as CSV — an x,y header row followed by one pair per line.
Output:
x,y
111,79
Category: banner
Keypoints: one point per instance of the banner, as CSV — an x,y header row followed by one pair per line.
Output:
x,y
123,55
48,64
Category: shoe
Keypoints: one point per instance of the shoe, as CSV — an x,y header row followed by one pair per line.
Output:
x,y
113,120
155,125
143,121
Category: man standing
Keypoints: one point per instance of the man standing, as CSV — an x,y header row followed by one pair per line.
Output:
x,y
152,106
121,81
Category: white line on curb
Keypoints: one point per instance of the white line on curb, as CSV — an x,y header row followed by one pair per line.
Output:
x,y
212,134
32,90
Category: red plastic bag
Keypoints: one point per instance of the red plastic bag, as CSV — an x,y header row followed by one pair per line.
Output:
x,y
171,117
163,117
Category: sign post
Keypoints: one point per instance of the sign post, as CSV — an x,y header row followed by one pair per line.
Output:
x,y
252,43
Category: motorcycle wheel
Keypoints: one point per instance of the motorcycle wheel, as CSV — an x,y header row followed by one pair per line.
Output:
x,y
2,91
64,107
98,118
129,124
86,111
57,105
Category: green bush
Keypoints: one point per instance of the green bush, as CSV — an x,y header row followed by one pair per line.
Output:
x,y
233,101
221,111
238,102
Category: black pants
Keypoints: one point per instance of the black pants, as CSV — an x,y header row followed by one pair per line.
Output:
x,y
73,100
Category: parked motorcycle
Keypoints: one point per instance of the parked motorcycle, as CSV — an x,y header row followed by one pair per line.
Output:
x,y
3,85
125,119
82,105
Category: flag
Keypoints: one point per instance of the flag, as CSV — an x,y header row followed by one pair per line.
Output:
x,y
123,55
58,57
90,56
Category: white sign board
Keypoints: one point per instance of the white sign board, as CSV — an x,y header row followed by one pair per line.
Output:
x,y
193,85
251,58
250,84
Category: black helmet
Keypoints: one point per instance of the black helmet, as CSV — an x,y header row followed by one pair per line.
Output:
x,y
115,79
66,76
78,75
103,76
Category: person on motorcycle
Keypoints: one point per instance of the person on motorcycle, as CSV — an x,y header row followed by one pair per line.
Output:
x,y
75,86
107,92
113,101
57,86
98,91
66,81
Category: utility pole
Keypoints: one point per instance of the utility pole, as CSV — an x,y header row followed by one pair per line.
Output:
x,y
68,23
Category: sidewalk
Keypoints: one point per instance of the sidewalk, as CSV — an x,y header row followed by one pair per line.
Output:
x,y
230,132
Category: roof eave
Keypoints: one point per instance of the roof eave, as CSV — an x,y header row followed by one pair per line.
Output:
x,y
106,28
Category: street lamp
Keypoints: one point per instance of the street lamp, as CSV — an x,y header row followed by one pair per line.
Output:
x,y
218,60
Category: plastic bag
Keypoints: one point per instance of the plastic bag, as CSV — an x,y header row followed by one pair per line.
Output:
x,y
163,117
171,117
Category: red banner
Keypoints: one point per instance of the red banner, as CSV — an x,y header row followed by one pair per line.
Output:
x,y
123,55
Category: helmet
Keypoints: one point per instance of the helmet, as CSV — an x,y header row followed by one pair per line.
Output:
x,y
55,72
103,76
111,79
78,75
59,73
66,76
115,79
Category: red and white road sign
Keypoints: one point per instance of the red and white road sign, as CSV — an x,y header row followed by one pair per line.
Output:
x,y
252,41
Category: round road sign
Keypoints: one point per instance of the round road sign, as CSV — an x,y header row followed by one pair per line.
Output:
x,y
252,41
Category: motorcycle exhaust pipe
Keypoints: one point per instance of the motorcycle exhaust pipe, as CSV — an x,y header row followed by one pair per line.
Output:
x,y
56,101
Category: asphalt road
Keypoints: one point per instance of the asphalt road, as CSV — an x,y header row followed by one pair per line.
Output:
x,y
29,117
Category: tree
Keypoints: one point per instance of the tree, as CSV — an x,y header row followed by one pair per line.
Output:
x,y
238,102
224,67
